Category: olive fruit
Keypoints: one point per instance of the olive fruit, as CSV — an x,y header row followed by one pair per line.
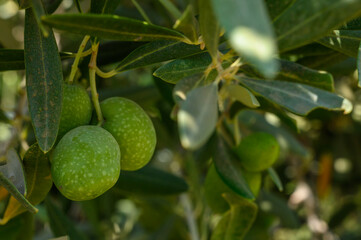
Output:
x,y
258,151
85,163
214,187
76,110
133,130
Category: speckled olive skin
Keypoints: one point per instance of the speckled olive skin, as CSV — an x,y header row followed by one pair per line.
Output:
x,y
76,109
85,163
133,130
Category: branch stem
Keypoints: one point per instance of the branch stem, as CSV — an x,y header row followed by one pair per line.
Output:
x,y
79,54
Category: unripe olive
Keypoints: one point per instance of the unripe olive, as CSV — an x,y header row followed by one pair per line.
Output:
x,y
76,109
133,130
85,163
258,151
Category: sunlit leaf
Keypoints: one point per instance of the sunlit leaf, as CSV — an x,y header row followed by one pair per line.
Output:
x,y
198,115
236,222
296,26
344,41
298,98
250,32
240,94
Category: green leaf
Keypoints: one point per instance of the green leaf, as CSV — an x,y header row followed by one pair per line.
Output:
x,y
19,228
173,10
187,24
150,181
13,59
293,72
13,170
103,6
240,94
180,68
297,26
279,207
359,66
209,27
275,178
298,98
197,116
23,4
344,41
44,81
38,10
277,7
112,27
185,85
224,161
38,180
60,224
312,49
156,52
236,222
250,32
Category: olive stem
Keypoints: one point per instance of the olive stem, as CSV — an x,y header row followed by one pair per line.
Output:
x,y
16,194
79,54
93,87
105,74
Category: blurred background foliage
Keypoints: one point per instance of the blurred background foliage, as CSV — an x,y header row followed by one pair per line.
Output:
x,y
319,165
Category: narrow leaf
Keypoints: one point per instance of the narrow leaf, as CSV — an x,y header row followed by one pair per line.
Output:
x,y
197,116
44,79
236,222
180,68
277,7
150,181
38,180
103,6
13,170
298,98
224,161
293,72
275,178
156,52
13,59
279,207
111,27
344,41
359,65
187,24
297,27
209,27
241,94
250,32
38,9
173,10
60,224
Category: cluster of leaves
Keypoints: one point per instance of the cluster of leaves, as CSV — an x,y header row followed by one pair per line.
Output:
x,y
221,58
